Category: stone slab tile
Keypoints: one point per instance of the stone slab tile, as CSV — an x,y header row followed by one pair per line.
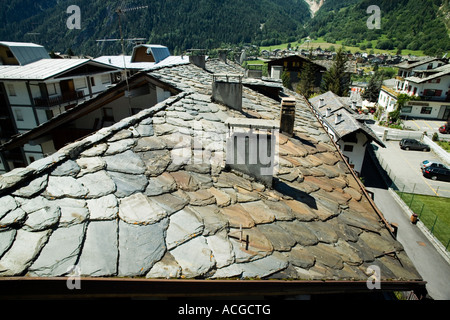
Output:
x,y
23,251
125,162
100,250
140,209
166,268
60,253
128,184
59,187
183,226
194,257
140,247
98,184
103,208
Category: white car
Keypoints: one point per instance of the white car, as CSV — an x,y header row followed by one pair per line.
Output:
x,y
428,163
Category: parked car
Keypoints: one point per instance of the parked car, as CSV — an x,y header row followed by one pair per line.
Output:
x,y
444,129
432,164
437,173
413,144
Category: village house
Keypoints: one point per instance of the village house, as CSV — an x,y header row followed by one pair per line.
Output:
x,y
294,65
35,88
158,205
340,116
426,78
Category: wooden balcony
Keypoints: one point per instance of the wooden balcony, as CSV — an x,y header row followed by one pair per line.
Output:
x,y
71,98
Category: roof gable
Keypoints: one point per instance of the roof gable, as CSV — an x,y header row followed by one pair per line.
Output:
x,y
149,53
26,53
49,68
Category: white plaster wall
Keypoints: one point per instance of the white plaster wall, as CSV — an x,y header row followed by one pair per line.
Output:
x,y
356,157
21,97
28,122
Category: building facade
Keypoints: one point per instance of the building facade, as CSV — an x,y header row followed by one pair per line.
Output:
x,y
428,81
35,88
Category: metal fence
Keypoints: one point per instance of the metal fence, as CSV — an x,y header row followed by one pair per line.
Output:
x,y
438,226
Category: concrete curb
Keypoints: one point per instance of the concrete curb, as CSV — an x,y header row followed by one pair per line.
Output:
x,y
408,212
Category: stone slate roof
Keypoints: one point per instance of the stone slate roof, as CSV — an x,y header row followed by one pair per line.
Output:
x,y
349,122
119,203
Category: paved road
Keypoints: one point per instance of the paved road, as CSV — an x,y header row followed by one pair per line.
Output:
x,y
430,126
428,261
404,168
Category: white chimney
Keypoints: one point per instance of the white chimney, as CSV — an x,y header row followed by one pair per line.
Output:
x,y
328,112
252,147
321,103
338,118
227,90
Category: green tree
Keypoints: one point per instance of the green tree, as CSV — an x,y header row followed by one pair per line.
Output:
x,y
286,79
337,79
307,79
402,99
372,91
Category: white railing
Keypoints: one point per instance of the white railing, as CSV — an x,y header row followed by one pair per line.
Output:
x,y
441,153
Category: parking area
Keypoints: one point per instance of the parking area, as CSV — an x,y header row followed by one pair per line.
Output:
x,y
429,126
404,168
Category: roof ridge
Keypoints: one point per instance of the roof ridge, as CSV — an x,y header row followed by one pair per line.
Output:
x,y
16,176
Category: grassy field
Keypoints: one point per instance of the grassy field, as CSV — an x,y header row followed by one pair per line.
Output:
x,y
444,145
434,212
313,44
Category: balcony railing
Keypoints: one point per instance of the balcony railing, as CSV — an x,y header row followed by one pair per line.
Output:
x,y
75,97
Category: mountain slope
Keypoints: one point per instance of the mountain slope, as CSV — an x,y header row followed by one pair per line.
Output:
x,y
177,24
181,25
405,24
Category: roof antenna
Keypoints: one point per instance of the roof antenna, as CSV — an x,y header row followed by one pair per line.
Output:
x,y
120,11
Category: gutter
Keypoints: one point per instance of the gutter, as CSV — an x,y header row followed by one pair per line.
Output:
x,y
360,184
57,287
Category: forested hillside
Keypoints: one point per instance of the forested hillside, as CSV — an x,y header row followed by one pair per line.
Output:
x,y
405,24
186,24
177,24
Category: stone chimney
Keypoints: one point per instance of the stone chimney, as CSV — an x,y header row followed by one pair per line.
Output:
x,y
227,89
223,55
252,147
287,118
254,71
338,118
197,57
328,113
199,61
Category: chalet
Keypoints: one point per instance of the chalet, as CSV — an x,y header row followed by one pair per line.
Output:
x,y
408,68
428,79
294,64
34,88
339,115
